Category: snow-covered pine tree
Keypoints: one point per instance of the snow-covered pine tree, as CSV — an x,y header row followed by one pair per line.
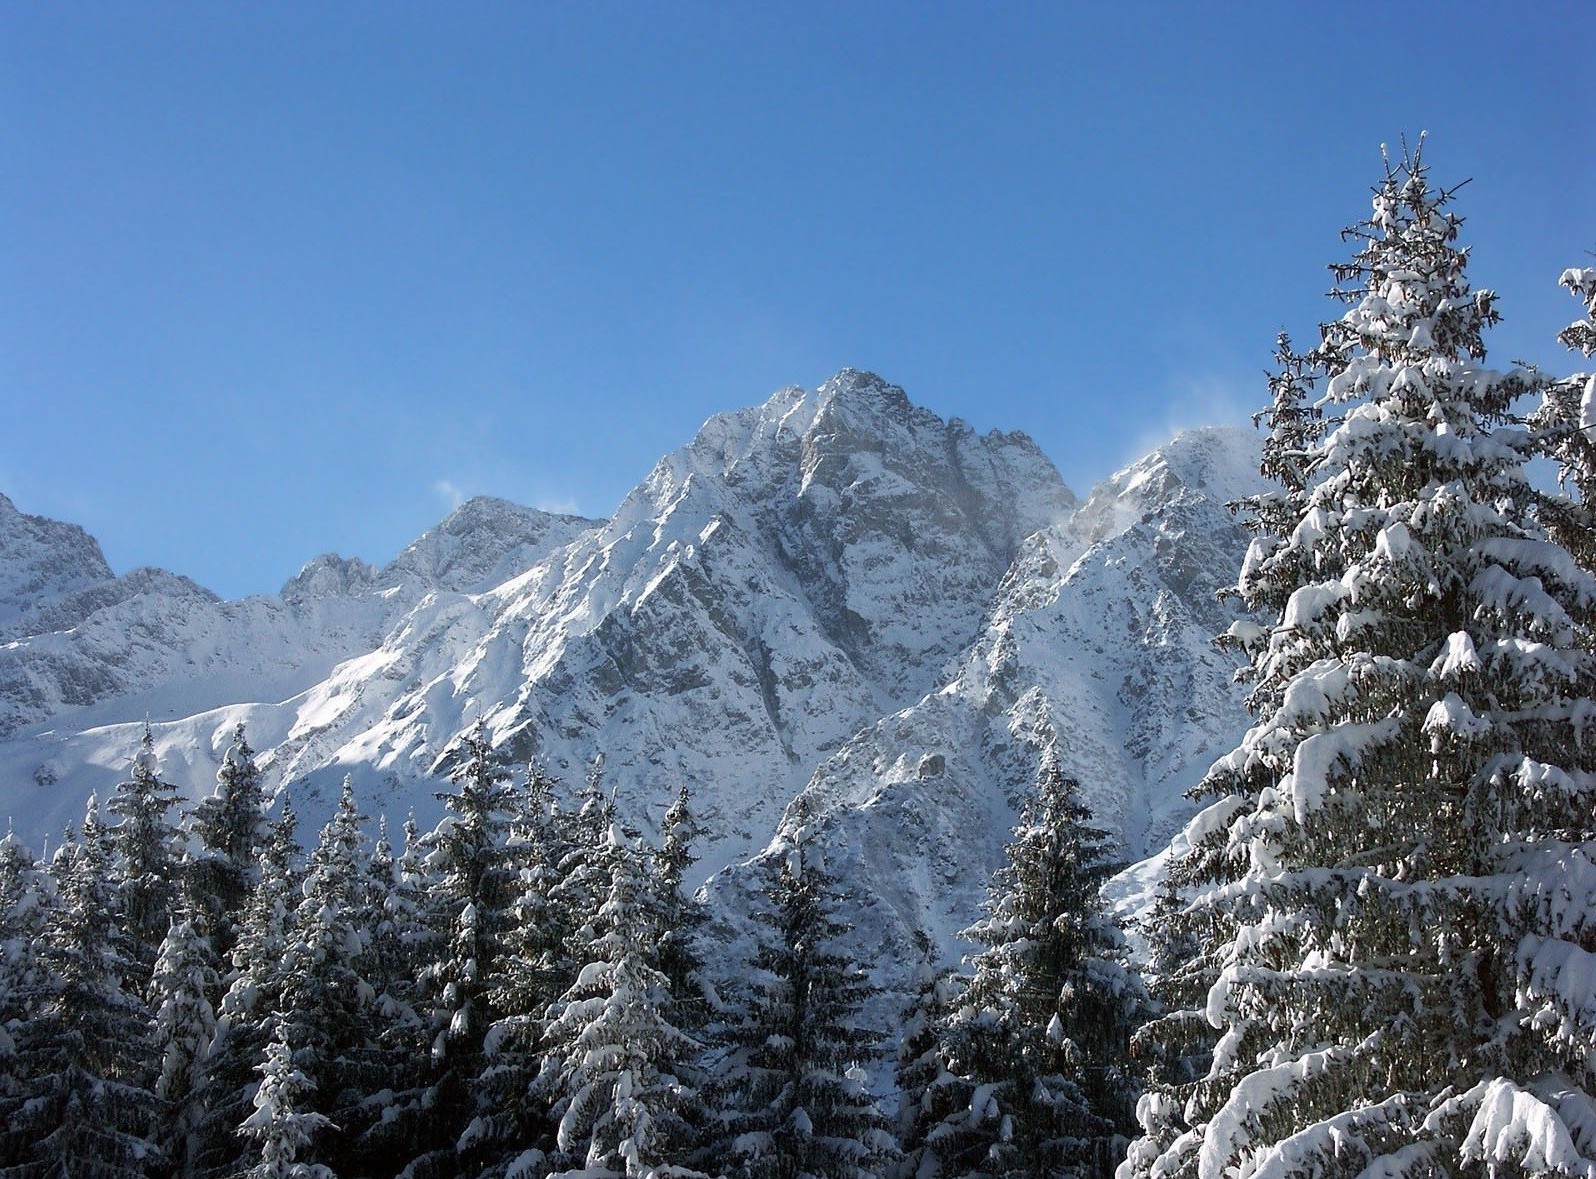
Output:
x,y
1413,808
328,1014
182,1031
468,906
147,857
280,1127
398,941
1034,1052
613,1073
918,1067
1566,421
790,1086
1175,1048
27,894
230,827
86,1105
681,917
247,1016
512,1126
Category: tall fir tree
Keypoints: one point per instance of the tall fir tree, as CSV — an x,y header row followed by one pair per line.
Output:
x,y
790,1086
1034,1076
614,1073
1401,848
328,1015
513,1128
1566,424
280,1127
681,916
88,1107
183,1028
27,984
247,1018
147,858
468,862
230,827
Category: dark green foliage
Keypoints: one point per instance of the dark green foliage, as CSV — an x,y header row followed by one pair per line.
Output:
x,y
1033,1077
790,1087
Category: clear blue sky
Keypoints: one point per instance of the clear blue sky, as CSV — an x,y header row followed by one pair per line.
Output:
x,y
278,279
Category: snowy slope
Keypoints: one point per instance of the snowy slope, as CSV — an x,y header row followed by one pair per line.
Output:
x,y
83,669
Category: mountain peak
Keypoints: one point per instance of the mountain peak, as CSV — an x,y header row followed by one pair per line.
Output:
x,y
482,543
42,561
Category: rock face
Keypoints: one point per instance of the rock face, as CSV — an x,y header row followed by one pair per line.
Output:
x,y
833,609
1099,639
41,562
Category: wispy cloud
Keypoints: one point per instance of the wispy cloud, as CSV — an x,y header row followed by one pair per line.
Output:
x,y
1204,399
561,507
449,493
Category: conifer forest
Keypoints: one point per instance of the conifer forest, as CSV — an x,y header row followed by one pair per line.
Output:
x,y
1372,951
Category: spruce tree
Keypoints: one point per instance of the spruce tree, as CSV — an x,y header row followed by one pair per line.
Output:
x,y
1566,424
790,1085
27,984
512,1124
230,827
613,1072
919,1070
467,912
248,1016
1034,1052
183,1027
1401,847
147,858
327,1016
281,1127
87,1105
681,916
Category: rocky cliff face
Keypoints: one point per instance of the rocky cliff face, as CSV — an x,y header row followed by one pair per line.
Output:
x,y
1098,640
41,562
834,608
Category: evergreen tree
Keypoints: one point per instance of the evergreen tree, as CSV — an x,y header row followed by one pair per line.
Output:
x,y
247,1017
230,827
469,903
27,896
391,1059
182,1031
280,1127
1566,423
512,1125
147,854
1034,1051
327,1017
1401,847
613,1073
790,1086
681,916
86,1104
919,1068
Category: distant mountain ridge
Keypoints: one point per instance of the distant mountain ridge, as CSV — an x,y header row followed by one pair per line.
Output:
x,y
834,608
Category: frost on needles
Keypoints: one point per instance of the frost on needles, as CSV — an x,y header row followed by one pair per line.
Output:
x,y
1392,896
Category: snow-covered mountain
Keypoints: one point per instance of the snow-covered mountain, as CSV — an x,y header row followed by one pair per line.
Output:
x,y
1099,637
834,606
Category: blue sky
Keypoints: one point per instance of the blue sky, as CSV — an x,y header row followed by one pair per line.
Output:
x,y
281,279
